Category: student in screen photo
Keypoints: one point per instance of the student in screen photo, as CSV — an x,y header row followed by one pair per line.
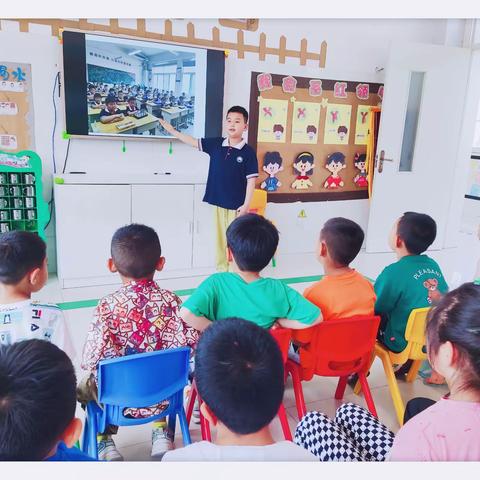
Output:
x,y
131,106
97,100
111,113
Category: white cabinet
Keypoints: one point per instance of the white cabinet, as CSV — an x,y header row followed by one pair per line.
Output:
x,y
86,218
168,209
204,231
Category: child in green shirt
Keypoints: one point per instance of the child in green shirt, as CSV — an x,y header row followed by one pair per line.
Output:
x,y
414,281
252,241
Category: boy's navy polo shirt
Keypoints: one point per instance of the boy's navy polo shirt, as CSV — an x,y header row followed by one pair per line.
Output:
x,y
229,169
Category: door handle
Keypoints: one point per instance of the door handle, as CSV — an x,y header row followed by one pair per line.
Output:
x,y
382,159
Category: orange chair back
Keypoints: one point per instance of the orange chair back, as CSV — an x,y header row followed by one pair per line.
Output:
x,y
340,347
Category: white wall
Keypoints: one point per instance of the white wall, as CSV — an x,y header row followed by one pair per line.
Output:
x,y
355,49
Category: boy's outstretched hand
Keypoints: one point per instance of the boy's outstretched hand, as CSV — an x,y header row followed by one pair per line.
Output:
x,y
167,126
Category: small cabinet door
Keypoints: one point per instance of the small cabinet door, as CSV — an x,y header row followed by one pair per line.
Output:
x,y
169,210
86,218
204,231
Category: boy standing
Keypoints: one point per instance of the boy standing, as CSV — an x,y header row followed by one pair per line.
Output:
x,y
231,174
414,281
139,317
239,376
342,292
252,241
37,404
24,271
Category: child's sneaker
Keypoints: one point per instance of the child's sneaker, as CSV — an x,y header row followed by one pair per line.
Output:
x,y
107,451
162,440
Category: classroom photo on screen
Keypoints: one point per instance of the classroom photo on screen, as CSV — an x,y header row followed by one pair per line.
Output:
x,y
131,84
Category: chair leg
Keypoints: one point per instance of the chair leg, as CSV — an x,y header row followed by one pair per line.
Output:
x,y
282,416
340,391
393,387
413,372
367,393
91,433
358,387
191,402
184,426
205,429
292,369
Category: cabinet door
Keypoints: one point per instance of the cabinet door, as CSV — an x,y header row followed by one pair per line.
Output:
x,y
86,218
169,210
204,234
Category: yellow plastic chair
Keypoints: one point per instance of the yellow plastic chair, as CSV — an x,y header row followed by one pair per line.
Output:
x,y
415,351
259,202
258,206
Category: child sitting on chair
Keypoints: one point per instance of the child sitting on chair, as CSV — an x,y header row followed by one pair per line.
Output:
x,y
240,378
414,281
23,272
342,292
37,404
252,241
447,430
138,317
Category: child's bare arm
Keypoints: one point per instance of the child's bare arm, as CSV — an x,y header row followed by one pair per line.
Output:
x,y
296,325
248,196
194,321
187,139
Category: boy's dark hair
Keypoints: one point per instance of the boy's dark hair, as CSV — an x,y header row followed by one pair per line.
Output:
x,y
344,239
305,157
131,98
20,253
417,230
37,398
456,319
239,374
358,158
253,241
97,95
337,157
135,251
110,99
272,157
238,109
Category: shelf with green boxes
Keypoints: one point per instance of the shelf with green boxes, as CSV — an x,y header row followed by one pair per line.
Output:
x,y
22,206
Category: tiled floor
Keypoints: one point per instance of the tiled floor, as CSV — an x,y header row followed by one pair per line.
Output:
x,y
458,264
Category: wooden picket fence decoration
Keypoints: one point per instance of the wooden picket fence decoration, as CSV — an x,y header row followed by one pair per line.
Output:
x,y
282,52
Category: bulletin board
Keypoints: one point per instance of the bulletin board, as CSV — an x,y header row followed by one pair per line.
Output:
x,y
16,107
310,120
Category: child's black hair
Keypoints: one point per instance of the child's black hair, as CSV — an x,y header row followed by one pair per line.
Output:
x,y
97,95
136,251
253,241
131,98
344,239
337,157
305,157
272,158
239,374
20,253
37,398
417,230
239,109
110,99
456,319
359,158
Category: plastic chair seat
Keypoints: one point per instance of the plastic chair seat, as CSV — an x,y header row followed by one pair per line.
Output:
x,y
415,351
137,381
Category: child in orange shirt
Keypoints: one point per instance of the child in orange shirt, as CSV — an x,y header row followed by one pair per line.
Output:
x,y
342,292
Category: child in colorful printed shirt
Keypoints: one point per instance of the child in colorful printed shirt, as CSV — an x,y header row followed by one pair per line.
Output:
x,y
139,317
414,281
23,271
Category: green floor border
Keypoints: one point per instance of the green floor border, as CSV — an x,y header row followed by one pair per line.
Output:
x,y
188,291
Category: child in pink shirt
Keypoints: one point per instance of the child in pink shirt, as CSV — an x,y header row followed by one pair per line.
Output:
x,y
447,430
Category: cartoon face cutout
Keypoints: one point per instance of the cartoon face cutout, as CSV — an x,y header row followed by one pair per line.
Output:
x,y
303,166
278,131
335,166
311,132
342,132
272,168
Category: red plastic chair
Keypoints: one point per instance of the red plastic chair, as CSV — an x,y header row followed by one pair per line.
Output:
x,y
337,348
283,337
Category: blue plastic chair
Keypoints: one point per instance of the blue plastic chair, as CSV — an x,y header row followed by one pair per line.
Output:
x,y
139,380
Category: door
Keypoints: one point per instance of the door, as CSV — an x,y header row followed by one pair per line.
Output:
x,y
420,129
204,231
86,217
169,210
